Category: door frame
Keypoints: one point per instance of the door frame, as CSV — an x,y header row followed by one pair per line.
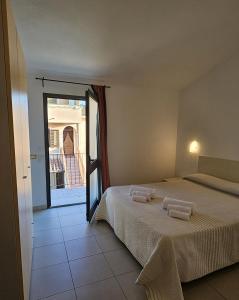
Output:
x,y
91,166
46,139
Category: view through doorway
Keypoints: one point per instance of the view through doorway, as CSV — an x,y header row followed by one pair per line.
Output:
x,y
66,149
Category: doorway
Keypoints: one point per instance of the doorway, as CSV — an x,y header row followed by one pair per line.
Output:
x,y
65,145
68,140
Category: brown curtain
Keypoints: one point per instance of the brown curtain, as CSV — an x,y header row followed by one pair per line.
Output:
x,y
100,94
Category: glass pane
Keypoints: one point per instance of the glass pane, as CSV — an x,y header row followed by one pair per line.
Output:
x,y
94,187
93,123
77,104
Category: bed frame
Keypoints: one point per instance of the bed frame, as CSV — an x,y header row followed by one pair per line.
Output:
x,y
218,167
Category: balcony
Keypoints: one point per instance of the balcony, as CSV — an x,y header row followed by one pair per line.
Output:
x,y
67,178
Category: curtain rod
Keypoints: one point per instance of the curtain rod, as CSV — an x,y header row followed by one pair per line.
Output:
x,y
43,79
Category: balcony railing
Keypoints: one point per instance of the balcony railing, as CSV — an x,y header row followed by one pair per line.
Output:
x,y
67,171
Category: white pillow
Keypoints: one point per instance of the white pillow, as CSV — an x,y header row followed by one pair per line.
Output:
x,y
214,182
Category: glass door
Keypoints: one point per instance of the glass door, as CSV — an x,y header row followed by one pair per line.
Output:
x,y
93,191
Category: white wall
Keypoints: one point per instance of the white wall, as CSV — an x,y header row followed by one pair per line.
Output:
x,y
142,129
209,113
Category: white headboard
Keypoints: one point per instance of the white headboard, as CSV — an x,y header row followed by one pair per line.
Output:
x,y
218,167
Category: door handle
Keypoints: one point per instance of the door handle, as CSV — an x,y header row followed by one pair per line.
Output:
x,y
24,177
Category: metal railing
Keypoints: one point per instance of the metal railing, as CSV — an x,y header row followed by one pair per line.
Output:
x,y
67,171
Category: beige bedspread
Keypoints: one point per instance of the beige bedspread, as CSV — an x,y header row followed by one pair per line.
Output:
x,y
170,250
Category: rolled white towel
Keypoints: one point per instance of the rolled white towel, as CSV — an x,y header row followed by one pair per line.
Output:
x,y
139,188
179,214
140,199
141,193
168,200
185,209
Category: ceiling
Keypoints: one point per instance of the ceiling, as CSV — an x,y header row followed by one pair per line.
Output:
x,y
168,43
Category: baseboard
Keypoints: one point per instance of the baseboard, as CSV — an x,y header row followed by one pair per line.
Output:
x,y
39,207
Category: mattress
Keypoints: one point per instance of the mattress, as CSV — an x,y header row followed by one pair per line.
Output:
x,y
170,250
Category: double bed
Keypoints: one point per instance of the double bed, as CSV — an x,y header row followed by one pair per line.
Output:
x,y
170,250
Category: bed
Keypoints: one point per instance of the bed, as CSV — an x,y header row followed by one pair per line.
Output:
x,y
170,250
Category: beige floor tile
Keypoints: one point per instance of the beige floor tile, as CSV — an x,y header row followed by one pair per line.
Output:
x,y
72,219
102,290
69,295
49,255
69,210
108,242
101,227
47,237
121,261
51,280
45,213
132,290
82,247
226,282
77,231
46,223
90,270
200,290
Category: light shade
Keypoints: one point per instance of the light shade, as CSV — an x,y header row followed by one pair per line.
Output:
x,y
194,147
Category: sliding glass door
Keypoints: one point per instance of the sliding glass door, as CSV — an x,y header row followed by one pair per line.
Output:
x,y
93,192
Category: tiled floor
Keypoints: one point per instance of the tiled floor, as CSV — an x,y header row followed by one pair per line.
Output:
x,y
74,260
68,196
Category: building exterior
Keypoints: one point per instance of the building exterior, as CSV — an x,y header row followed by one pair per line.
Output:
x,y
67,142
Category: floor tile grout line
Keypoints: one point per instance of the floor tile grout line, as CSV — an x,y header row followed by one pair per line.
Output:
x,y
65,226
87,236
121,287
43,230
44,218
46,229
88,284
78,238
68,261
54,295
42,214
216,290
49,266
72,214
83,257
108,264
95,235
69,266
63,242
90,235
48,245
114,275
94,282
68,214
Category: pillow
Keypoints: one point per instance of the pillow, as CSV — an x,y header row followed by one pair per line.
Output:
x,y
214,182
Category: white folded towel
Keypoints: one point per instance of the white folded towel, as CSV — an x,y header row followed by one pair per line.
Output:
x,y
142,193
185,209
143,189
140,199
179,214
168,200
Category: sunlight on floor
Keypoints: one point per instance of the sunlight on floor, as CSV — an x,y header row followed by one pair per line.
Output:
x,y
68,196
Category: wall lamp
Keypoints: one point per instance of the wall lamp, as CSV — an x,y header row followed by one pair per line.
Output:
x,y
194,147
